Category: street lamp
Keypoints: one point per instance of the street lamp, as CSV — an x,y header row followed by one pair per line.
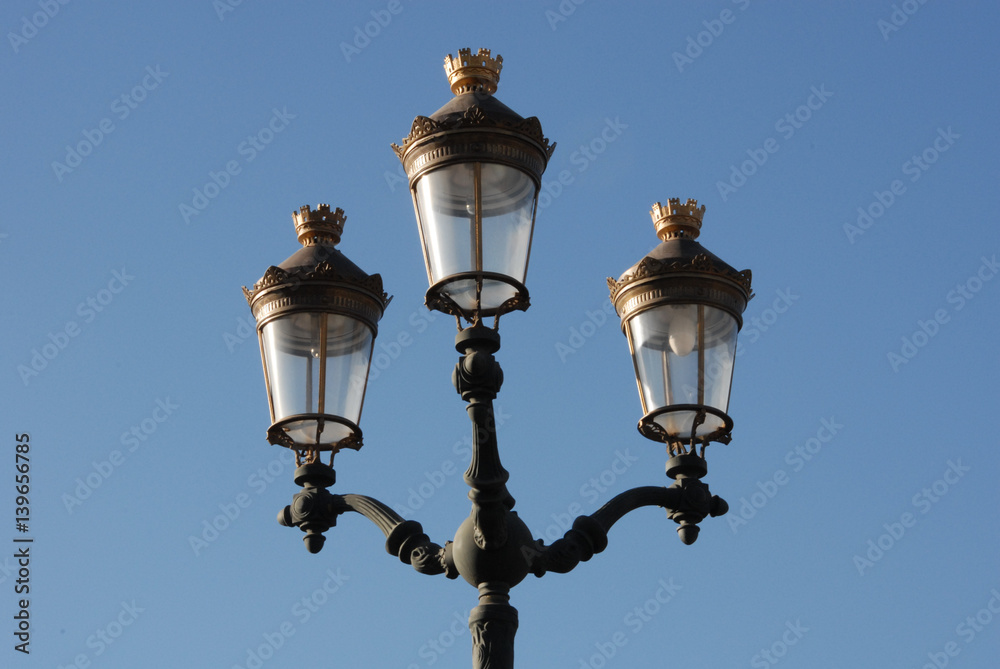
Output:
x,y
475,168
681,308
317,315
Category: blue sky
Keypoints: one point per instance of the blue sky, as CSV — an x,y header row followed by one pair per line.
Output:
x,y
846,153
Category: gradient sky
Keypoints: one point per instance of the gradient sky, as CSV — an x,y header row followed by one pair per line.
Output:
x,y
846,153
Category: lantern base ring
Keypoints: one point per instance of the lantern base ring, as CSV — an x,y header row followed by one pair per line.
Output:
x,y
438,299
649,428
278,433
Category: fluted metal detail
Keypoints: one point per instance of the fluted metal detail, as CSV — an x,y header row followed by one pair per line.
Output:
x,y
384,517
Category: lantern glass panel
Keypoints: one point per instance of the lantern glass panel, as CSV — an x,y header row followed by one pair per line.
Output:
x,y
684,354
474,218
317,363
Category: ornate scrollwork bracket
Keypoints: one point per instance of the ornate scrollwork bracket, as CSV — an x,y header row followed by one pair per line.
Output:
x,y
687,502
315,509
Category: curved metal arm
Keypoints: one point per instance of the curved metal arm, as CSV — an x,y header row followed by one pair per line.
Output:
x,y
315,509
403,538
383,516
687,502
636,498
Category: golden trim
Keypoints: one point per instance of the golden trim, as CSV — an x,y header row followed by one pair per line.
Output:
x,y
677,220
470,73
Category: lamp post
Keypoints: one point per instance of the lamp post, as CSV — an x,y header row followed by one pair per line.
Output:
x,y
475,169
317,315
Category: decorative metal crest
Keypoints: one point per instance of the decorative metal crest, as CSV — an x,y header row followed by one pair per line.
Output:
x,y
320,225
474,117
325,271
469,72
700,263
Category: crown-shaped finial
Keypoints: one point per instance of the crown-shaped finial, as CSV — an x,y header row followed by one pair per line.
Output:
x,y
320,226
677,220
470,72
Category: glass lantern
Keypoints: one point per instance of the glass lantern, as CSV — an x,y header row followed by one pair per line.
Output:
x,y
681,308
475,168
317,317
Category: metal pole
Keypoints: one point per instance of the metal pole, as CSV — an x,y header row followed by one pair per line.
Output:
x,y
493,625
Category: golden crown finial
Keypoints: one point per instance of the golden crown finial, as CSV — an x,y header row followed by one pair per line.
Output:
x,y
319,226
677,220
468,73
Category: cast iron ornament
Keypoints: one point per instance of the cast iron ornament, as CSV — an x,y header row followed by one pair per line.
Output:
x,y
493,549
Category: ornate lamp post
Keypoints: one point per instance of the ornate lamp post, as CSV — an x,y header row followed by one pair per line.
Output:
x,y
475,168
681,308
317,315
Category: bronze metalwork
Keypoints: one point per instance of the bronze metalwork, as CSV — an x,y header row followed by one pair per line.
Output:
x,y
493,549
680,271
318,278
474,127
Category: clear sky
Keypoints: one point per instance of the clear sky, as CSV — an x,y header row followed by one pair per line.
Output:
x,y
846,153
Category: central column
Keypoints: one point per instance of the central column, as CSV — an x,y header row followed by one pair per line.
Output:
x,y
493,625
488,547
478,378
